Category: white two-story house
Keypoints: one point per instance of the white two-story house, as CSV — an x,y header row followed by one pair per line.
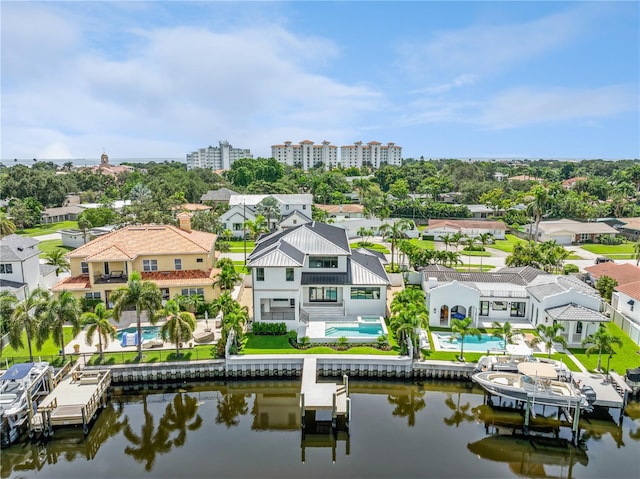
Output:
x,y
20,268
526,297
310,272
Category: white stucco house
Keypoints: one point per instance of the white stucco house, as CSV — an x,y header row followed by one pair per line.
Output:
x,y
20,268
310,273
234,218
566,232
472,228
526,297
74,238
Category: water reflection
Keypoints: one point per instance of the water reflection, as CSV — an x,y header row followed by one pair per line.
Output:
x,y
230,406
407,405
461,413
150,442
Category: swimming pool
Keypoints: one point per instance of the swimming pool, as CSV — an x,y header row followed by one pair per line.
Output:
x,y
471,343
353,330
148,332
366,329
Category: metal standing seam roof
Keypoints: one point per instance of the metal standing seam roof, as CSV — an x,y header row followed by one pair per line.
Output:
x,y
378,254
325,278
367,269
574,312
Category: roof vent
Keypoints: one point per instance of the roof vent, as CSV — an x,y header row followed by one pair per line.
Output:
x,y
20,248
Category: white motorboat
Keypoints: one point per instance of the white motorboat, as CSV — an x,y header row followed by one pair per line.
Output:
x,y
535,382
509,363
20,387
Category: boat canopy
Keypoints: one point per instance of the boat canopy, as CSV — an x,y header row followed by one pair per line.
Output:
x,y
17,371
540,370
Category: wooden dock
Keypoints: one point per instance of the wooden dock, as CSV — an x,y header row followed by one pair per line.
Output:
x,y
75,400
328,401
610,391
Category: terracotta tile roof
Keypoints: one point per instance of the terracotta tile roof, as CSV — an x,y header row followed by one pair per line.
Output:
x,y
112,253
571,181
134,241
74,283
182,278
341,208
191,207
458,224
630,289
623,273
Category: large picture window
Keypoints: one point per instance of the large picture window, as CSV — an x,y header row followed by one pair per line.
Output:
x,y
193,291
365,293
323,294
518,309
499,306
149,265
323,261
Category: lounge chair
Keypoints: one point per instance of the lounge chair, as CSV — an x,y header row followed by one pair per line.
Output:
x,y
152,343
204,337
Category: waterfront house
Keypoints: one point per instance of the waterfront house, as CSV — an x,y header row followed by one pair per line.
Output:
x,y
179,260
20,268
310,272
524,296
566,232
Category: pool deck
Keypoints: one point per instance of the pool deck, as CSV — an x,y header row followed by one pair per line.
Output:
x,y
443,345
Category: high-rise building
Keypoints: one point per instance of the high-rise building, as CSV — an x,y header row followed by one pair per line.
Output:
x,y
306,154
216,157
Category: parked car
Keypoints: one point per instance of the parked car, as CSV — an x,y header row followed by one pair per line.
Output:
x,y
602,259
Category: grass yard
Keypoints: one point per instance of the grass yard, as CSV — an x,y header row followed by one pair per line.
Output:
x,y
49,245
238,246
48,351
424,244
507,244
254,344
372,246
620,251
48,228
625,357
474,267
239,267
474,253
196,353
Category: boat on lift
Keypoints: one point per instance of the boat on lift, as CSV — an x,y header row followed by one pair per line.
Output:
x,y
536,382
509,363
20,387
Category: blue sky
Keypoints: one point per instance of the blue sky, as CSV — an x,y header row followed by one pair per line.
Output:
x,y
441,79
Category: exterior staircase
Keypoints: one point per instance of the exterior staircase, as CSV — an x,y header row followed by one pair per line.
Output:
x,y
324,313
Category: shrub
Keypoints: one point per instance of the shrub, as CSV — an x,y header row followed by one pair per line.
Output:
x,y
570,268
343,343
269,329
293,338
610,240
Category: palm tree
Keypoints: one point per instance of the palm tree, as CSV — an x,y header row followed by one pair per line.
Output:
x,y
537,208
143,296
395,232
269,208
85,225
504,331
446,239
549,335
602,341
257,227
98,322
636,252
229,407
25,315
456,238
179,326
227,277
406,322
56,257
484,239
460,413
462,328
63,309
7,227
224,303
235,321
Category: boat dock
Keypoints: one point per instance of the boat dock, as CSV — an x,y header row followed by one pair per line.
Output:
x,y
326,401
611,391
75,400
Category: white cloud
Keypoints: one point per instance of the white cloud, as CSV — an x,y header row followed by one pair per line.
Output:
x,y
460,80
528,106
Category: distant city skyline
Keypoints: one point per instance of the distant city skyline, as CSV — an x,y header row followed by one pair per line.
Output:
x,y
160,79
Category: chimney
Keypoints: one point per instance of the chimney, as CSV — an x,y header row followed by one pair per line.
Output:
x,y
185,221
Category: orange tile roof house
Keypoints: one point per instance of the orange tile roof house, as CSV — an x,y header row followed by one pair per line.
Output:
x,y
623,273
179,260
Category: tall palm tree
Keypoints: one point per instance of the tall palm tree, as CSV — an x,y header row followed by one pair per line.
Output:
x,y
178,415
227,277
179,326
25,315
446,239
269,208
484,239
548,335
537,208
460,413
602,341
256,227
406,323
56,257
141,295
461,328
395,232
456,238
60,311
235,321
636,252
504,331
98,322
7,227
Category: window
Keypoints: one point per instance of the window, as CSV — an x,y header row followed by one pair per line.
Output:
x,y
193,291
518,309
579,327
290,274
199,260
92,295
323,262
365,293
484,308
6,268
177,263
237,226
259,274
499,306
304,207
149,265
84,267
322,294
165,294
286,207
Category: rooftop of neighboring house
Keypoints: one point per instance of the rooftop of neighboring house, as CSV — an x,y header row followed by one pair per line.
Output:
x,y
515,276
140,240
347,209
191,207
572,181
97,231
623,273
221,194
297,199
630,223
466,224
63,210
18,248
630,289
524,178
575,227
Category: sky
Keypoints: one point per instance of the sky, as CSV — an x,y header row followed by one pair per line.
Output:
x,y
159,79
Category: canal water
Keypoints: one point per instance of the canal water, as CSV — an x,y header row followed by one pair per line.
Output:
x,y
398,430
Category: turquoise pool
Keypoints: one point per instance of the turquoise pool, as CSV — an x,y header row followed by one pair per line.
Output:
x,y
148,332
354,330
471,343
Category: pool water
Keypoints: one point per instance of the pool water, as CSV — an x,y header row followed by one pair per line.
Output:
x,y
471,343
354,330
148,332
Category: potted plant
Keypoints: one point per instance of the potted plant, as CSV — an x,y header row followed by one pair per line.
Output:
x,y
76,348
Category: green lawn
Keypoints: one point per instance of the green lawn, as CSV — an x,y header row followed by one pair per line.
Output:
x,y
474,267
196,353
424,244
49,351
49,245
254,344
238,246
625,358
48,228
239,267
621,251
507,244
474,253
372,246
